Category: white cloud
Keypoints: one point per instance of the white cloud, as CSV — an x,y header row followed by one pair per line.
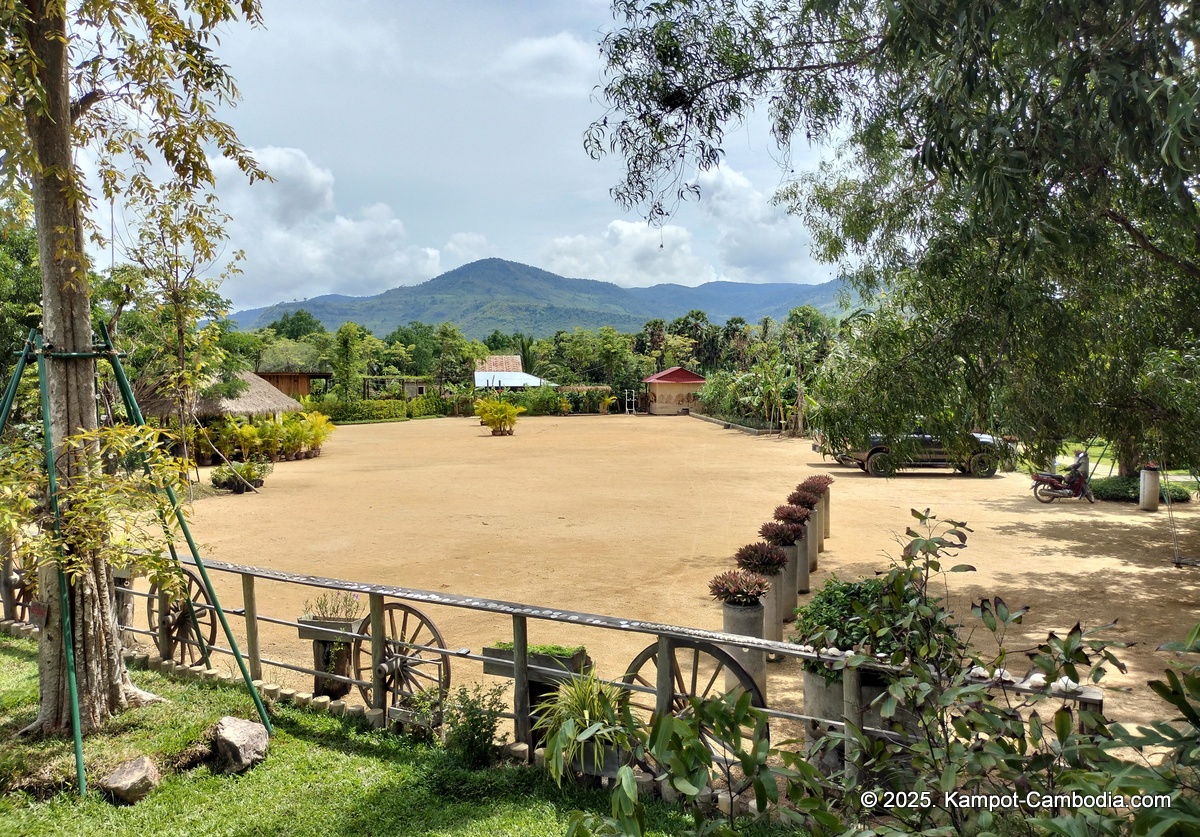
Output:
x,y
464,247
630,254
297,245
756,240
560,65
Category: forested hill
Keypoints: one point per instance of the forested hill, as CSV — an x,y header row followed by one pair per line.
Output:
x,y
497,294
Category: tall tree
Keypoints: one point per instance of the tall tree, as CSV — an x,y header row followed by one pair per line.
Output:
x,y
1038,158
131,82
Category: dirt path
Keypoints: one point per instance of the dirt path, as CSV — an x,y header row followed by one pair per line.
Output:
x,y
632,516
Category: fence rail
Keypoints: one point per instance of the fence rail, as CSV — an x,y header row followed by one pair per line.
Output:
x,y
668,638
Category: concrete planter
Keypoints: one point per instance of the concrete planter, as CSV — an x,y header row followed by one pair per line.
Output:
x,y
825,514
329,630
788,587
773,604
541,684
746,621
825,700
812,535
803,563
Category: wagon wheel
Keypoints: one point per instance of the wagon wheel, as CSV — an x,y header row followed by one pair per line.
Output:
x,y
23,584
408,670
181,631
698,670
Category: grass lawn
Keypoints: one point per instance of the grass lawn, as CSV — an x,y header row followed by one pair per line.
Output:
x,y
323,776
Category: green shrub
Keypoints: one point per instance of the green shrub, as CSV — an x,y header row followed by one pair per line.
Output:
x,y
1126,490
472,719
382,410
429,404
838,617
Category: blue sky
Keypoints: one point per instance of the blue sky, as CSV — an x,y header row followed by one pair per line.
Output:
x,y
409,138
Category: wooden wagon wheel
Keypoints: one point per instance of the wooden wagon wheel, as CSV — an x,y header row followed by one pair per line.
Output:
x,y
180,630
698,670
23,584
407,670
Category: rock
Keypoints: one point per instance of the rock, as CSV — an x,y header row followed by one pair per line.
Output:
x,y
271,691
287,695
377,718
303,698
518,752
320,703
337,708
132,780
355,710
539,757
239,744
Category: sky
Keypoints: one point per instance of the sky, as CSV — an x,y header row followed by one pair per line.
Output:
x,y
409,138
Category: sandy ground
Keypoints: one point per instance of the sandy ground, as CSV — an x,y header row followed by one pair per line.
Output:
x,y
631,516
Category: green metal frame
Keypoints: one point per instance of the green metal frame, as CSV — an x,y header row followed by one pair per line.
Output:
x,y
34,348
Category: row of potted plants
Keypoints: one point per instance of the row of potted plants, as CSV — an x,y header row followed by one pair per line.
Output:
x,y
295,436
762,593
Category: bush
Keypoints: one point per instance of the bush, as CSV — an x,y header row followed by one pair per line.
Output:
x,y
1126,490
837,617
384,410
472,719
429,404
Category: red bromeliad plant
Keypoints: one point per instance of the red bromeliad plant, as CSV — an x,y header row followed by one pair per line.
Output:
x,y
762,558
804,499
778,533
816,484
794,514
738,587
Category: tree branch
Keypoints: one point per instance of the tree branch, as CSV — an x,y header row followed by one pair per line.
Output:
x,y
81,105
1143,241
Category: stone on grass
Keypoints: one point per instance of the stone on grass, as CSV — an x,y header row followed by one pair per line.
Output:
x,y
303,698
132,780
287,695
355,710
377,718
518,752
337,708
320,703
239,744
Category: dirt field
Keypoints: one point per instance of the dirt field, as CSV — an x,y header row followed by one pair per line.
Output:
x,y
631,516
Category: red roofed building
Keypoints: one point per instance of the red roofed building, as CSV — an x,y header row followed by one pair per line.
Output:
x,y
673,391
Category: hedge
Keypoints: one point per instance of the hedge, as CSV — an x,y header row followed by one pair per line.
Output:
x,y
1127,489
365,410
429,404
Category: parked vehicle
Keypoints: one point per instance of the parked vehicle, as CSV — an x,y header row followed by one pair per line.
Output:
x,y
981,459
1048,487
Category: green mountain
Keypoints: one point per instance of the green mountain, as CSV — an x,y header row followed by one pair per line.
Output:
x,y
496,294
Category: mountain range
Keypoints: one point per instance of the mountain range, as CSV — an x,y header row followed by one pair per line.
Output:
x,y
496,294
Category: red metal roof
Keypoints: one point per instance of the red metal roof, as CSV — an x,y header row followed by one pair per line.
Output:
x,y
674,375
499,363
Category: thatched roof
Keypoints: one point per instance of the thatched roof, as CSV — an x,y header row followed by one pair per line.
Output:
x,y
258,399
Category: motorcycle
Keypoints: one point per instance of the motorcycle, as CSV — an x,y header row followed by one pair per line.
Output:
x,y
1048,487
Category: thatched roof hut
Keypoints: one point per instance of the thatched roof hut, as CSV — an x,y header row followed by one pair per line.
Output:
x,y
259,398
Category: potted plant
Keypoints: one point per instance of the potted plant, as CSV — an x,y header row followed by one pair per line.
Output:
x,y
239,476
549,665
292,442
320,427
835,619
741,593
270,437
499,415
583,727
819,484
327,620
789,537
769,561
807,503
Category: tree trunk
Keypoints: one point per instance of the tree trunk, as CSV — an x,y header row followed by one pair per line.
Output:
x,y
104,685
1128,459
